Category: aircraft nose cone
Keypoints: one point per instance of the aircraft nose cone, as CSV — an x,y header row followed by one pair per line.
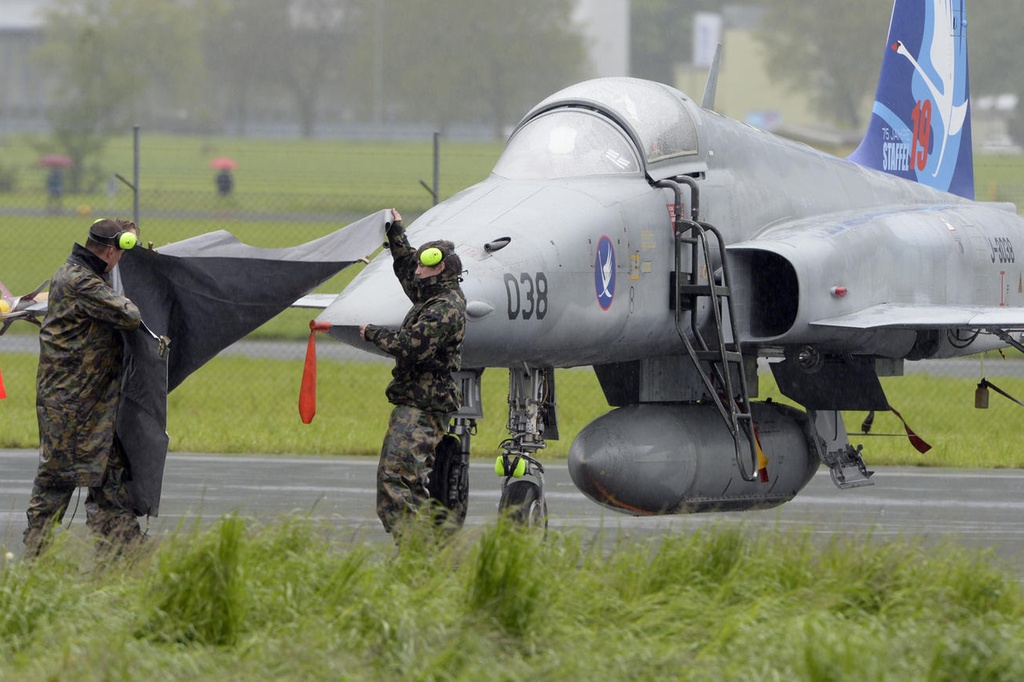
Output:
x,y
374,297
349,335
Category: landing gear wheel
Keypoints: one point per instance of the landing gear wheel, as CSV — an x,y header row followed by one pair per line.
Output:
x,y
449,481
523,503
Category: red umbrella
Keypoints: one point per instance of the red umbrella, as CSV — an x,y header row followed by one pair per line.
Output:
x,y
223,162
56,160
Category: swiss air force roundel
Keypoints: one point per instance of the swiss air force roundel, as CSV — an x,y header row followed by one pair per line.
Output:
x,y
604,273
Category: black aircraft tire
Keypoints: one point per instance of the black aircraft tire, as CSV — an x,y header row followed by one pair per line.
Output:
x,y
449,481
522,502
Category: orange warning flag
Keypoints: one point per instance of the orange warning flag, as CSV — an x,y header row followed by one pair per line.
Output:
x,y
919,443
307,391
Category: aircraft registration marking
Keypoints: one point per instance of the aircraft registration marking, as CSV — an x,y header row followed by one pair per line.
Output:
x,y
1002,250
527,296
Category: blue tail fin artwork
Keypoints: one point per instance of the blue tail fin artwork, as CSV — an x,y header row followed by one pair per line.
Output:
x,y
920,125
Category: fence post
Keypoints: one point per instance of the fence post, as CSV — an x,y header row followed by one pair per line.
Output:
x,y
437,169
437,165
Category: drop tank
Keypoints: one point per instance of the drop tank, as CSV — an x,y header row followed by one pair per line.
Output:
x,y
679,458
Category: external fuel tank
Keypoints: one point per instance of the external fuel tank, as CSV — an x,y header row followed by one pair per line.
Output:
x,y
679,458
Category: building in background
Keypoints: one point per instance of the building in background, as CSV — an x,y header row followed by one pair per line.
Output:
x,y
605,26
23,95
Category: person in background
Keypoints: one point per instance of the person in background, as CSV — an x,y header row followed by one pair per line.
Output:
x,y
225,182
55,188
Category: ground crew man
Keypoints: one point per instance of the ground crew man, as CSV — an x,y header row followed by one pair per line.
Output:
x,y
78,387
427,349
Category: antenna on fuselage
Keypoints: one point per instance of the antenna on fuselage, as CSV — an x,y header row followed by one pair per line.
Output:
x,y
711,86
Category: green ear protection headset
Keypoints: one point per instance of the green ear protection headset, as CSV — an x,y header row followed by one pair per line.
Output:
x,y
123,240
431,257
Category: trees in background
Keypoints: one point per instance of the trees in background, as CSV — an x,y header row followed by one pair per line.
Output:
x,y
207,65
256,51
833,52
110,60
457,61
438,61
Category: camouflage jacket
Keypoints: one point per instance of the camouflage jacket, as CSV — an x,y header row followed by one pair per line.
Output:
x,y
428,347
79,378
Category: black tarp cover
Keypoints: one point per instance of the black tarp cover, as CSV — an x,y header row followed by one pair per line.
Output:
x,y
203,294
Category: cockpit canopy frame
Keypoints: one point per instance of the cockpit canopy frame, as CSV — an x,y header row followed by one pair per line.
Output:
x,y
659,122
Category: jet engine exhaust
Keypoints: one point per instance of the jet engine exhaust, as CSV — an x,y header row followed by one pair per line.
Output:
x,y
661,458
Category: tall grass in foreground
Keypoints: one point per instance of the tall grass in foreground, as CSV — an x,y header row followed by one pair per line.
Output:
x,y
292,602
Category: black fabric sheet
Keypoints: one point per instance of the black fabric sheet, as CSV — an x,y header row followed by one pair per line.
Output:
x,y
203,294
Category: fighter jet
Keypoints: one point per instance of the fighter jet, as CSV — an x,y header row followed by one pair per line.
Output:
x,y
628,227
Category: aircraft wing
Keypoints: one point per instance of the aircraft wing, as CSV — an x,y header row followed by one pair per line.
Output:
x,y
319,301
887,316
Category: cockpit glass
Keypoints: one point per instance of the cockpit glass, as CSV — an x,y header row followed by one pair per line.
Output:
x,y
567,144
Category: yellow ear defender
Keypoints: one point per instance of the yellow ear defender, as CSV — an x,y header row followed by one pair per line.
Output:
x,y
431,257
124,240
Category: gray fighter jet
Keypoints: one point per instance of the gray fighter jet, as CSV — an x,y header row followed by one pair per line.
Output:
x,y
630,228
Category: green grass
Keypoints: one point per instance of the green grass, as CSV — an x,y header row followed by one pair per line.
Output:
x,y
237,405
292,602
278,181
287,192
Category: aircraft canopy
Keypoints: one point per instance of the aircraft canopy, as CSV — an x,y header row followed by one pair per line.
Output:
x,y
567,144
655,116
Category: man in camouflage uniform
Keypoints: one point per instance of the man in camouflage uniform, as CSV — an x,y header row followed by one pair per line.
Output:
x,y
427,350
78,386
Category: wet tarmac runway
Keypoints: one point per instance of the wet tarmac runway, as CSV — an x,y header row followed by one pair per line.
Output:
x,y
981,509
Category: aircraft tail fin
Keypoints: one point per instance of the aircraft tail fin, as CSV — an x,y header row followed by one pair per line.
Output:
x,y
920,125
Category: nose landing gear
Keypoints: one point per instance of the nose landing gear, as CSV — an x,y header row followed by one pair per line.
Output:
x,y
522,500
531,416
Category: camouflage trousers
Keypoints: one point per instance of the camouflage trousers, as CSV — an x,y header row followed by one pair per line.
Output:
x,y
406,460
108,512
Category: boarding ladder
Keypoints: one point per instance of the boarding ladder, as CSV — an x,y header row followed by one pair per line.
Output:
x,y
718,361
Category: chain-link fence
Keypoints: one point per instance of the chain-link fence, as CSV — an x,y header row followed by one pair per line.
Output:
x,y
288,192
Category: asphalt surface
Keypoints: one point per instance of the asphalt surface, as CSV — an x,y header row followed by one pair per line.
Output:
x,y
980,509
